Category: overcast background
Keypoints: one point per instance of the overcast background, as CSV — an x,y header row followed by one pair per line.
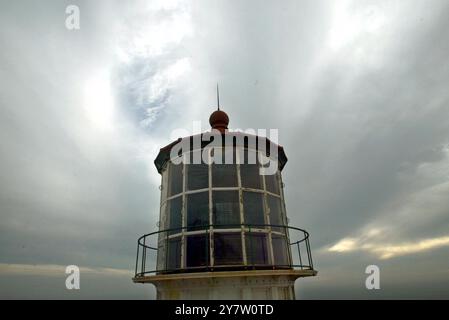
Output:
x,y
358,91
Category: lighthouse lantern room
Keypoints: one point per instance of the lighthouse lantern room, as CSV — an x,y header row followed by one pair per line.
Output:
x,y
223,228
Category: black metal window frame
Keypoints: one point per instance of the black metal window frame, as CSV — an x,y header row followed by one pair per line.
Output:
x,y
239,153
264,227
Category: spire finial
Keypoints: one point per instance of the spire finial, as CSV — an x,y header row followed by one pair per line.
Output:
x,y
218,119
218,98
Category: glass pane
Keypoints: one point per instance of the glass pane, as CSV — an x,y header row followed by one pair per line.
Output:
x,y
174,254
280,252
227,248
175,179
175,215
197,174
197,251
161,253
197,210
272,183
256,248
253,208
226,210
249,171
225,175
250,156
274,204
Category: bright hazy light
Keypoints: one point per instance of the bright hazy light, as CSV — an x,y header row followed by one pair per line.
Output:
x,y
98,101
344,245
387,251
351,23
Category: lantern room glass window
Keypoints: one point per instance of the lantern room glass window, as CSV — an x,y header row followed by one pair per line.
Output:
x,y
250,176
175,215
274,205
228,249
226,196
249,170
174,254
175,179
197,176
224,174
256,248
280,252
197,173
226,209
272,183
197,250
197,211
253,208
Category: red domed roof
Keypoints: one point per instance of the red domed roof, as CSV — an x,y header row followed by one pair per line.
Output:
x,y
219,120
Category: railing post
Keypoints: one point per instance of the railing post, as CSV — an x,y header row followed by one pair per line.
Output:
x,y
166,251
137,258
141,263
310,254
288,246
207,250
250,236
144,254
299,253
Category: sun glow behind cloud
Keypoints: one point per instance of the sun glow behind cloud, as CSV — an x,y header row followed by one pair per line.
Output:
x,y
388,250
154,32
57,270
349,24
98,101
153,42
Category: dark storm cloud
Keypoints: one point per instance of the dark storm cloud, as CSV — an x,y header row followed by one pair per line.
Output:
x,y
73,191
357,91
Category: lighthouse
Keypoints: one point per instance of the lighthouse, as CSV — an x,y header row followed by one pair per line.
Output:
x,y
223,226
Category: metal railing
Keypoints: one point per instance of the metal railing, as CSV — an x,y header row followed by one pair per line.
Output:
x,y
298,253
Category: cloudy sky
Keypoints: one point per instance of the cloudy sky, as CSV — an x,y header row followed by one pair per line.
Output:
x,y
358,91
